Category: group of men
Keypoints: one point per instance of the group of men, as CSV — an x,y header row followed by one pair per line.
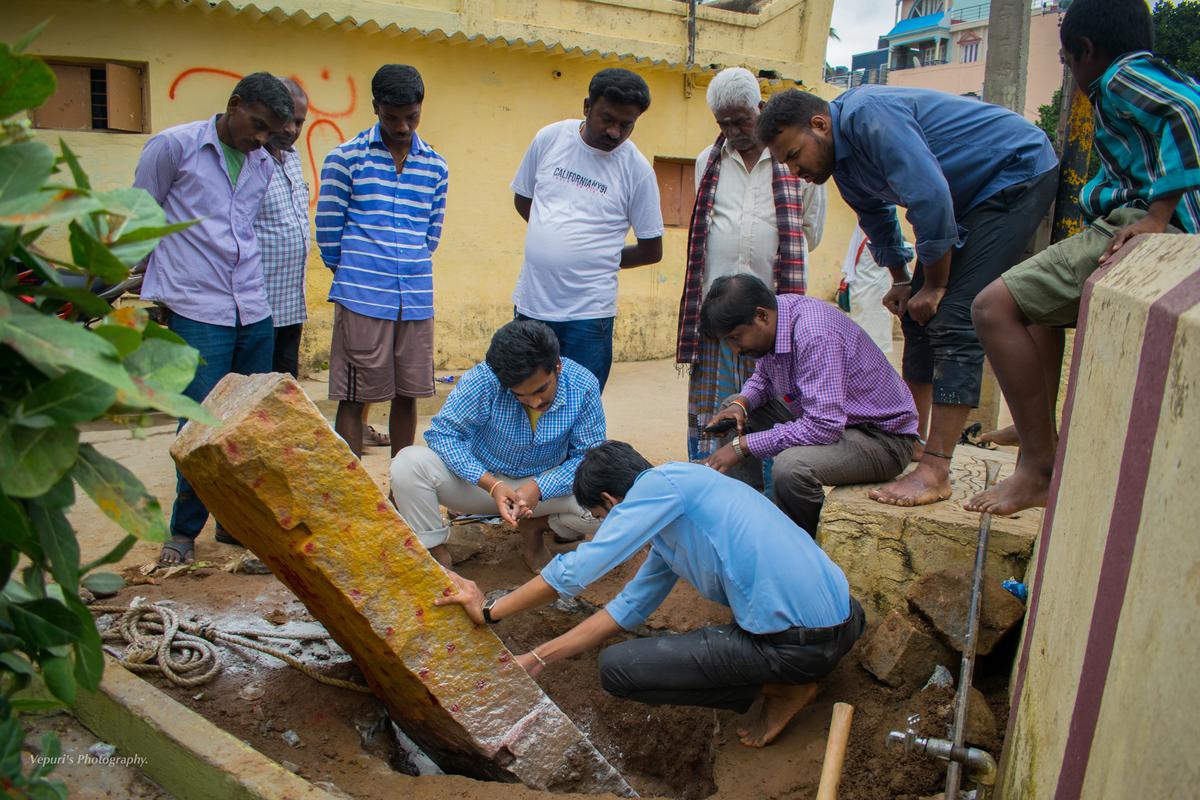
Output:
x,y
812,400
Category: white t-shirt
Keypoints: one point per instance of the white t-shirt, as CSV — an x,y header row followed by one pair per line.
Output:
x,y
584,202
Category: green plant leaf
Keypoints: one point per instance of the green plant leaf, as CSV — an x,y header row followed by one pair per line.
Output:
x,y
58,544
11,736
9,238
89,650
61,495
14,527
163,364
33,460
24,168
17,663
94,256
45,622
38,265
112,556
35,705
59,675
23,43
124,340
120,495
49,208
104,583
72,161
155,331
25,82
70,398
80,298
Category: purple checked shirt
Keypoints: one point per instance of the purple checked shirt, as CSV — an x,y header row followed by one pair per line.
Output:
x,y
832,377
212,271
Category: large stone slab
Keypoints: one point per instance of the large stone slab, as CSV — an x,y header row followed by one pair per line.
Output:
x,y
291,490
944,599
884,549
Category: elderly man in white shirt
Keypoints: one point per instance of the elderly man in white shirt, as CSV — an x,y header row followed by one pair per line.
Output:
x,y
751,216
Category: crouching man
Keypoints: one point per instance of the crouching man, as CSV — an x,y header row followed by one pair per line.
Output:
x,y
793,614
507,440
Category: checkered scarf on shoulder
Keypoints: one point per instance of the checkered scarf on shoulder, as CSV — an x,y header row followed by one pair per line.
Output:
x,y
790,272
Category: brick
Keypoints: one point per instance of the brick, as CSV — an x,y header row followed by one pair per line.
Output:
x,y
901,653
943,598
291,490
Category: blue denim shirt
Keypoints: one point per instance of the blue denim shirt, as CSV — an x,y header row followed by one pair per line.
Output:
x,y
936,154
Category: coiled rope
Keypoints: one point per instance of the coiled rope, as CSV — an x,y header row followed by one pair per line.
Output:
x,y
156,640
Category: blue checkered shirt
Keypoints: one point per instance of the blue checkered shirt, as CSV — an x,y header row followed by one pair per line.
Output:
x,y
377,228
283,237
484,428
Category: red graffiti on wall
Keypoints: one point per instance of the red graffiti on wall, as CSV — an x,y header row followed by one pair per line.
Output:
x,y
319,116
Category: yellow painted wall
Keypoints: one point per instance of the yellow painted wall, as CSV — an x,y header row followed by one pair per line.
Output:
x,y
483,106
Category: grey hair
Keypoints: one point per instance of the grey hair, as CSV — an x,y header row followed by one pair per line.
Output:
x,y
735,87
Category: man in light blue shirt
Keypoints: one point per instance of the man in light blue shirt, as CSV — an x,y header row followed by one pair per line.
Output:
x,y
793,615
975,180
507,441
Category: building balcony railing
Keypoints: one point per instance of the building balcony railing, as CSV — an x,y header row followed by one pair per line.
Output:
x,y
982,10
932,62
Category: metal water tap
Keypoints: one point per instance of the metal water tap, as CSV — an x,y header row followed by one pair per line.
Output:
x,y
981,765
907,739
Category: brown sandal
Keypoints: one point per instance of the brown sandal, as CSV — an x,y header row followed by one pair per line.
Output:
x,y
373,438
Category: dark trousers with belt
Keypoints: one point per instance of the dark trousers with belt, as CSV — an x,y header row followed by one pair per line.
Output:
x,y
724,666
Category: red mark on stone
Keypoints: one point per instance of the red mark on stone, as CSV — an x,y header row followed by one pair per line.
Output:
x,y
231,448
310,547
353,465
450,647
263,416
390,630
383,555
355,594
285,521
479,684
408,543
258,481
504,659
454,709
420,613
287,452
422,673
381,507
290,388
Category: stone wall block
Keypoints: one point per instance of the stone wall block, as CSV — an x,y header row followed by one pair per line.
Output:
x,y
903,653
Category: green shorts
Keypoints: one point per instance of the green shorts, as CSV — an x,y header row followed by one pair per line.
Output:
x,y
1048,287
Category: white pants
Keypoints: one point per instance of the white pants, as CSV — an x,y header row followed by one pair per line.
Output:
x,y
421,482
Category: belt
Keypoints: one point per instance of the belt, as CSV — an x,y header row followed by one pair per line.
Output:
x,y
815,635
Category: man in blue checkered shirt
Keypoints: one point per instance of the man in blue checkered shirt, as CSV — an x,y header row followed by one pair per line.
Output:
x,y
283,237
507,441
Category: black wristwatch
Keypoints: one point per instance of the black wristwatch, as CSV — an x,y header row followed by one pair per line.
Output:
x,y
487,611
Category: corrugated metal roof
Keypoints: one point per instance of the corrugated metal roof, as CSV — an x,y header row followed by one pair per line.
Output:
x,y
398,28
907,27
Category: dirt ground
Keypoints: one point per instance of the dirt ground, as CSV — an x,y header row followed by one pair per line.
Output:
x,y
671,752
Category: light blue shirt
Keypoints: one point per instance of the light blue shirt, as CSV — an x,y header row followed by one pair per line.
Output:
x,y
936,154
720,535
483,427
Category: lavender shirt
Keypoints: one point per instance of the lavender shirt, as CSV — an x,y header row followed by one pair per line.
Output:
x,y
210,272
832,377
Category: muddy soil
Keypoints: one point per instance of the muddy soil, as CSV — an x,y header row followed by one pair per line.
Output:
x,y
668,752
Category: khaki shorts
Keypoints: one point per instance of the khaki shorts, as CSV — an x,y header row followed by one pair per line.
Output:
x,y
1048,287
373,360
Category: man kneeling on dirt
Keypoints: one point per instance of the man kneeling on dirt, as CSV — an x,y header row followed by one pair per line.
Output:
x,y
507,440
793,615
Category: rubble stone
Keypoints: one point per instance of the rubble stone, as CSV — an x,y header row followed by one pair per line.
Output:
x,y
944,598
901,653
290,490
466,541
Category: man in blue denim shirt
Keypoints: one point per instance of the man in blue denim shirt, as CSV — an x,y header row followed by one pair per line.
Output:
x,y
793,615
975,180
507,441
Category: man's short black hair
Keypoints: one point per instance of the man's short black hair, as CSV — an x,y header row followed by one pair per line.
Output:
x,y
1115,27
786,109
733,300
520,349
620,86
397,85
265,88
611,467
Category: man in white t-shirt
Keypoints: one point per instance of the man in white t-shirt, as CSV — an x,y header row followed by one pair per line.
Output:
x,y
581,186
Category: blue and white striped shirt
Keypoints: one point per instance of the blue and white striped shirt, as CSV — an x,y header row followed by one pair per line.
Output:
x,y
1148,138
484,428
377,229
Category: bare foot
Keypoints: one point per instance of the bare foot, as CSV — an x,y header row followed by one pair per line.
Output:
x,y
179,550
533,546
1025,488
924,485
779,703
1004,436
441,554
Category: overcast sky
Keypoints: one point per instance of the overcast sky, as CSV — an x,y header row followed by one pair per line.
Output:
x,y
859,23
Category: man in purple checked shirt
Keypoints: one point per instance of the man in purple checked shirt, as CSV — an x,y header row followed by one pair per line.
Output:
x,y
209,276
823,401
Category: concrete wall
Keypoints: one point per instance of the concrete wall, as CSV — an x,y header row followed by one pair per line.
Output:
x,y
1105,692
484,103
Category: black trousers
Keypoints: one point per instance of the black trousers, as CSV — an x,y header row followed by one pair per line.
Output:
x,y
724,666
287,350
946,352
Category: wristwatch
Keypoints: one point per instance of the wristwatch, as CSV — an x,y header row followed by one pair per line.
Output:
x,y
487,611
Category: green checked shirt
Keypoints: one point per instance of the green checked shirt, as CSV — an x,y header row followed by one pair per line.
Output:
x,y
1148,137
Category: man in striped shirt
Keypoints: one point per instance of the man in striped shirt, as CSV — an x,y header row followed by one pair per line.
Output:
x,y
1147,118
379,219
